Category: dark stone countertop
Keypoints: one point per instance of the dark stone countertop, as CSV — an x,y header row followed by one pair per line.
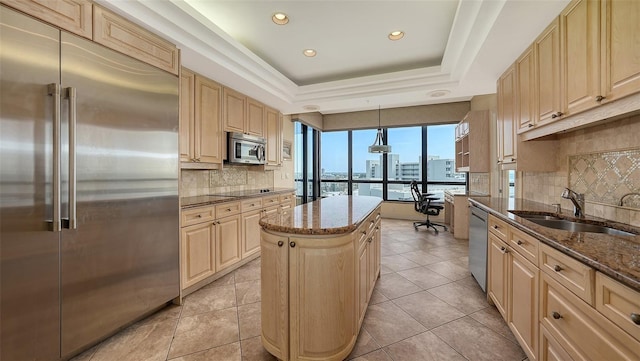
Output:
x,y
327,216
198,201
615,256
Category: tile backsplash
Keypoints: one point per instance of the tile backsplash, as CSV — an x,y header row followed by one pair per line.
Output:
x,y
195,182
480,183
600,161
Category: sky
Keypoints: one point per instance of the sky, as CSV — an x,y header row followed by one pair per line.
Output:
x,y
403,141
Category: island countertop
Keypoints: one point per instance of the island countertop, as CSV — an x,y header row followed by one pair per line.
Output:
x,y
328,216
615,256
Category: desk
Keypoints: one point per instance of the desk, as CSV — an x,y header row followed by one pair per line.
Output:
x,y
456,213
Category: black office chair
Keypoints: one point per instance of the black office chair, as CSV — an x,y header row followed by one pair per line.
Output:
x,y
423,204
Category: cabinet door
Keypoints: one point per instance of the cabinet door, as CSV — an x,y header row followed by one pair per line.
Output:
x,y
523,303
506,117
377,242
251,233
70,15
234,111
255,118
198,253
621,48
209,136
580,57
326,305
363,281
274,137
274,283
547,52
525,90
187,115
497,272
228,233
550,349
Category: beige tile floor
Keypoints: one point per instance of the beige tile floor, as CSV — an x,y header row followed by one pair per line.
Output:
x,y
425,306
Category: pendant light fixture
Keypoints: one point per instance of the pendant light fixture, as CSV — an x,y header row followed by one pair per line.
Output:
x,y
378,146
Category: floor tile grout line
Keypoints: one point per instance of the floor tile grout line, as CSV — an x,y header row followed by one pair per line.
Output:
x,y
175,329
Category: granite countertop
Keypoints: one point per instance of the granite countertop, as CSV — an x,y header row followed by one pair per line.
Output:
x,y
615,256
328,216
197,201
462,192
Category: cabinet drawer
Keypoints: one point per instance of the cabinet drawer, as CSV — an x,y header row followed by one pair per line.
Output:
x,y
227,209
197,215
572,274
498,227
270,201
581,331
550,349
251,204
618,302
525,245
121,35
285,198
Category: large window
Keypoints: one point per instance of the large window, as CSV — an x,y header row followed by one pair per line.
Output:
x,y
424,153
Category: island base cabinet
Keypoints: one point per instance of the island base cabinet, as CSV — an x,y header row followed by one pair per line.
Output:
x,y
274,285
582,331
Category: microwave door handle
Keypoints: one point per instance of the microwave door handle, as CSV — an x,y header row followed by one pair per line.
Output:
x,y
261,154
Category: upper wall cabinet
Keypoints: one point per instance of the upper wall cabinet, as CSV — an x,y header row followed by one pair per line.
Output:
x,y
472,143
71,15
274,137
585,58
243,114
121,35
201,136
506,117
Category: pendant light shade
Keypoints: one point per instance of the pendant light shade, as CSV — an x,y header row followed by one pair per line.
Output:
x,y
378,146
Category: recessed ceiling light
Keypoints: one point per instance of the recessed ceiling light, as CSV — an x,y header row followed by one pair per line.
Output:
x,y
280,18
439,93
309,53
396,35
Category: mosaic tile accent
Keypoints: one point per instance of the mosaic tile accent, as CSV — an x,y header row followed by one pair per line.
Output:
x,y
231,176
606,177
480,183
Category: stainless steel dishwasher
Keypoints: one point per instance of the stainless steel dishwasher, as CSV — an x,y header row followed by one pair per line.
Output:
x,y
478,245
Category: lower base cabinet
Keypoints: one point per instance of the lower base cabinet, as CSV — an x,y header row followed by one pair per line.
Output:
x,y
315,291
228,234
198,253
523,303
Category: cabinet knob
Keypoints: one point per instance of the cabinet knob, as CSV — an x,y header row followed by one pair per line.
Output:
x,y
556,315
228,209
495,226
199,216
557,268
556,115
504,250
280,243
600,98
364,232
530,125
635,318
370,239
292,244
519,242
513,159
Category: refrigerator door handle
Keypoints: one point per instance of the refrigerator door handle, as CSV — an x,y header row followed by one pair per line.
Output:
x,y
54,91
71,97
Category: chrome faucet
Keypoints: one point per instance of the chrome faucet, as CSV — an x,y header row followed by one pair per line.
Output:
x,y
628,194
577,199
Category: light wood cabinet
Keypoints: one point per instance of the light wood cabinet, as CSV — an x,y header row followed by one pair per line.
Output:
x,y
274,284
497,272
71,15
580,56
117,33
550,349
201,137
456,214
506,117
228,235
573,275
255,124
547,56
472,146
235,111
618,303
251,232
620,24
198,253
582,332
274,137
525,90
315,290
522,316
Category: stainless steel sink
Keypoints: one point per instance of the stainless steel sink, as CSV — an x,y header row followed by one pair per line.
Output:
x,y
550,220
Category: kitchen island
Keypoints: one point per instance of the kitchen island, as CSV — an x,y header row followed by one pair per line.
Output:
x,y
319,264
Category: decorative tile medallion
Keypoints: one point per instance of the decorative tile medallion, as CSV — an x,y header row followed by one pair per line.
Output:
x,y
606,177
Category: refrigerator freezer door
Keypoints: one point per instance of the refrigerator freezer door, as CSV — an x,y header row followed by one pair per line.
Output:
x,y
29,250
121,261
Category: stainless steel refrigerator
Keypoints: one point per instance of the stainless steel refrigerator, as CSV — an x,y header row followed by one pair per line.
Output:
x,y
89,210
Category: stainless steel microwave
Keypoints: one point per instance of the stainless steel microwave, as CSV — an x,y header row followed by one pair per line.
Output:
x,y
246,149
